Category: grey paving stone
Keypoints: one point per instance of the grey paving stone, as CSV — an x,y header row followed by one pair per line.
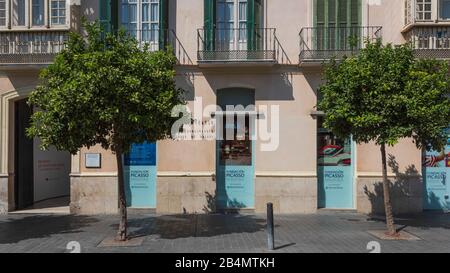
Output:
x,y
322,232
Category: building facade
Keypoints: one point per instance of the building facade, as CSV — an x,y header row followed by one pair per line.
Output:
x,y
265,55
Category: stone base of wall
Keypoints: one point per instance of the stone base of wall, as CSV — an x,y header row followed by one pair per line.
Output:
x,y
289,195
4,207
93,195
185,195
98,195
406,195
197,195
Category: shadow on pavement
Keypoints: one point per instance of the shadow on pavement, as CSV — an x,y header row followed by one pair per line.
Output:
x,y
426,220
14,230
185,226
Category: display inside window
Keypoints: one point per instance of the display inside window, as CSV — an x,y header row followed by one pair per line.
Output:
x,y
333,151
236,147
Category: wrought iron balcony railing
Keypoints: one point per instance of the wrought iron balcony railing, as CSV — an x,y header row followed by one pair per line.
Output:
x,y
41,47
430,42
318,44
31,47
156,39
239,45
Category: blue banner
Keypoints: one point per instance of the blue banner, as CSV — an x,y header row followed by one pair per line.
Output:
x,y
235,174
140,175
436,171
235,187
335,173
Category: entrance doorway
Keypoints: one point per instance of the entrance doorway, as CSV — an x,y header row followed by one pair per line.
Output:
x,y
235,160
41,177
335,167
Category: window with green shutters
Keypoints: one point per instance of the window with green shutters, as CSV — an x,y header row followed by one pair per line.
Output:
x,y
232,24
146,20
337,24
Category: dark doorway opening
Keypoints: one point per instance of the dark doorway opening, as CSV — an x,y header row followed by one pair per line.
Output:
x,y
24,186
42,182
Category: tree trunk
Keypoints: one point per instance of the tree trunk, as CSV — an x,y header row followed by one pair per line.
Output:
x,y
387,199
122,232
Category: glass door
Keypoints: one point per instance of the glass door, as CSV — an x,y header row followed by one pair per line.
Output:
x,y
141,20
335,170
231,25
235,163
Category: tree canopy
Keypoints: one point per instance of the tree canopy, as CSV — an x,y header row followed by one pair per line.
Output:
x,y
384,94
105,89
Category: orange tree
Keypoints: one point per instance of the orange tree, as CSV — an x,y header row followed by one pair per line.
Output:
x,y
384,94
107,91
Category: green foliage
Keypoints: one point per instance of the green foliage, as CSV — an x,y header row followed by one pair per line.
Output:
x,y
105,90
383,94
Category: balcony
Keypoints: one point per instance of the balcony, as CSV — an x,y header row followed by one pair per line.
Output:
x,y
430,42
40,47
31,47
239,46
157,40
320,44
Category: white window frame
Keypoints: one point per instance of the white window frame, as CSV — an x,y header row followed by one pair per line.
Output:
x,y
236,33
6,25
153,38
47,24
27,16
66,15
423,4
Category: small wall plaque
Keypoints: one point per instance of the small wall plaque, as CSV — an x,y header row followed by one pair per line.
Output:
x,y
93,160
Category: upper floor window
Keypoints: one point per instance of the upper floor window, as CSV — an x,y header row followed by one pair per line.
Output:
x,y
141,19
337,13
33,13
37,12
231,22
58,12
2,12
424,10
444,9
337,24
19,11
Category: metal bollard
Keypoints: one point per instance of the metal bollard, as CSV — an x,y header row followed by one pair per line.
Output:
x,y
270,229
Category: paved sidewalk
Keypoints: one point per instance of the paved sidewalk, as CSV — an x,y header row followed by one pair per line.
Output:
x,y
322,232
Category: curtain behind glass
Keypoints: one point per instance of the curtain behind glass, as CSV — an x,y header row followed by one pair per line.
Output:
x,y
37,12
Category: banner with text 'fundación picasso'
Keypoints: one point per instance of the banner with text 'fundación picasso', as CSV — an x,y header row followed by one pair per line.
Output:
x,y
140,175
436,171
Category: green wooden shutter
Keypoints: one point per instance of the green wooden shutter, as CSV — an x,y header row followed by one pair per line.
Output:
x,y
254,31
115,14
163,24
319,22
109,15
209,24
331,19
251,31
105,15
